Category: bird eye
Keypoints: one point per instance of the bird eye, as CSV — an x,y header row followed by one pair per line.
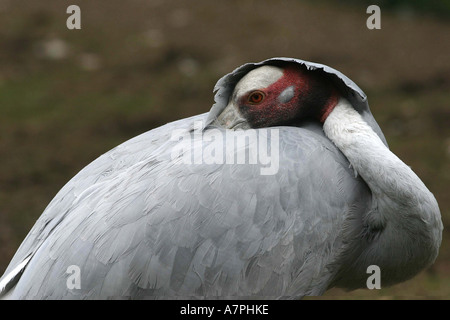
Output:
x,y
256,97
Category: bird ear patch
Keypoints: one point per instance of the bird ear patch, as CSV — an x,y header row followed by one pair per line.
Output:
x,y
286,95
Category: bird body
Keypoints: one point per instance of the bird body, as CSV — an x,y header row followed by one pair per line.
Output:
x,y
143,221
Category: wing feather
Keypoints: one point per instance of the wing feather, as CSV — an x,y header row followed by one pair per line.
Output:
x,y
140,225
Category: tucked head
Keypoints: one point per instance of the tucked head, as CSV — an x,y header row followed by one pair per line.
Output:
x,y
270,96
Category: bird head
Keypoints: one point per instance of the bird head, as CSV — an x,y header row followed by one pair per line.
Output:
x,y
271,95
283,91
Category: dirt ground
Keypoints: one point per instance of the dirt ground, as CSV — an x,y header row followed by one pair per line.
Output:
x,y
67,96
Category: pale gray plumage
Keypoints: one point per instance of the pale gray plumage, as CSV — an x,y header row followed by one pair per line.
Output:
x,y
140,225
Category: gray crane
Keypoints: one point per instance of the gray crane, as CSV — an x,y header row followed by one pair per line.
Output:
x,y
286,188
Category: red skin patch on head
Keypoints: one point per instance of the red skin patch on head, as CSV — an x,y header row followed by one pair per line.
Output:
x,y
311,99
332,102
291,76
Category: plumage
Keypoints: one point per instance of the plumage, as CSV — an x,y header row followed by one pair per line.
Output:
x,y
141,221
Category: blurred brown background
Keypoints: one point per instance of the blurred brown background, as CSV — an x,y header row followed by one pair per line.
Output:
x,y
67,96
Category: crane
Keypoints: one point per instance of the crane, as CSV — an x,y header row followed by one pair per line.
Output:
x,y
187,209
